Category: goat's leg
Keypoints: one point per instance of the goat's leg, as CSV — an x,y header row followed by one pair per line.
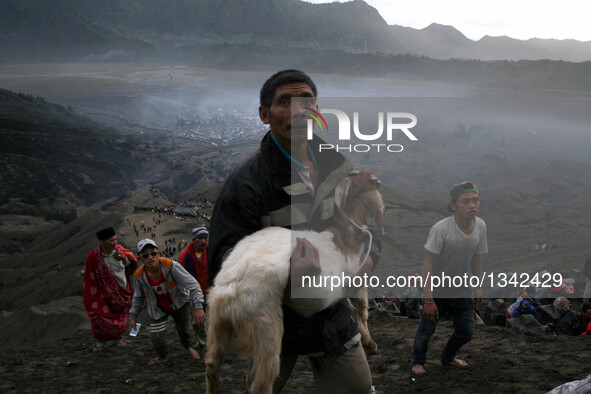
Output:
x,y
361,306
267,334
218,337
213,362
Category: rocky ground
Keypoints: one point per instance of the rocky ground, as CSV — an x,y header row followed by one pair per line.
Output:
x,y
500,360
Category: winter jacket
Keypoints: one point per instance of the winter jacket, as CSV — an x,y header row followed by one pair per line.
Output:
x,y
516,310
569,323
182,288
198,268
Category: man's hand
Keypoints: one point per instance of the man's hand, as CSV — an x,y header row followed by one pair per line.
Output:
x,y
431,311
477,298
119,255
131,324
199,316
304,260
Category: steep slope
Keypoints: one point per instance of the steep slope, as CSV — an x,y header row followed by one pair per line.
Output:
x,y
50,152
54,161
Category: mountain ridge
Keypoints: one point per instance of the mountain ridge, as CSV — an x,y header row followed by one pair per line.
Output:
x,y
74,30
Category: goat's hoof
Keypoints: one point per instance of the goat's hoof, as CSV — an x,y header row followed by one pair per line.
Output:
x,y
371,348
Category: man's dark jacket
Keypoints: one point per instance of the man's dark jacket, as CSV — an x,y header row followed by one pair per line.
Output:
x,y
263,191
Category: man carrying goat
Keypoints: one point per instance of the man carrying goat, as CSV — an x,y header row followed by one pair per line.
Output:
x,y
285,184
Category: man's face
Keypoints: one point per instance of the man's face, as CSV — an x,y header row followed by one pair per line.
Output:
x,y
107,245
279,114
466,205
586,315
200,244
149,256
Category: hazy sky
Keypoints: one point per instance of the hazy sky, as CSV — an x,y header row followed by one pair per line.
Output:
x,y
520,19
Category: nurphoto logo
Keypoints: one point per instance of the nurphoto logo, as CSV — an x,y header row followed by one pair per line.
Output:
x,y
389,125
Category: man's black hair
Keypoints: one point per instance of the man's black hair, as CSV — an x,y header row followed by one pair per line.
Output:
x,y
586,306
281,78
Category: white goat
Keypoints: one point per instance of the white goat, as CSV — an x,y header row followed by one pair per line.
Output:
x,y
245,302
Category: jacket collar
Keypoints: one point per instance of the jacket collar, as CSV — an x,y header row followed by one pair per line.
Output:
x,y
164,262
281,170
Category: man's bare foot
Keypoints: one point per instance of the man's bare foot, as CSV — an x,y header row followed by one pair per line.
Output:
x,y
418,369
194,353
456,362
158,360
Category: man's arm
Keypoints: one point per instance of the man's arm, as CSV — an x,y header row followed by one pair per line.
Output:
x,y
237,213
187,281
128,258
429,309
137,301
476,267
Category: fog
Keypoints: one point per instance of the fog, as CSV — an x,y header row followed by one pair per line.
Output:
x,y
502,124
529,153
549,126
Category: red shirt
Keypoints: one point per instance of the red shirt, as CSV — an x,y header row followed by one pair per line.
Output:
x,y
159,287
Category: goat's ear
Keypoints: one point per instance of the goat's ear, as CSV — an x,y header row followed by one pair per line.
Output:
x,y
340,217
341,192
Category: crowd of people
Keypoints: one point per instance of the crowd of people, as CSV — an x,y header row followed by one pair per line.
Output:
x,y
541,247
171,247
161,285
286,183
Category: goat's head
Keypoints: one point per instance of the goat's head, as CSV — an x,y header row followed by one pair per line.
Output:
x,y
357,197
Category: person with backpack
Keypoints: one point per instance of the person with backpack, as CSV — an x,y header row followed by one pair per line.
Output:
x,y
167,289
